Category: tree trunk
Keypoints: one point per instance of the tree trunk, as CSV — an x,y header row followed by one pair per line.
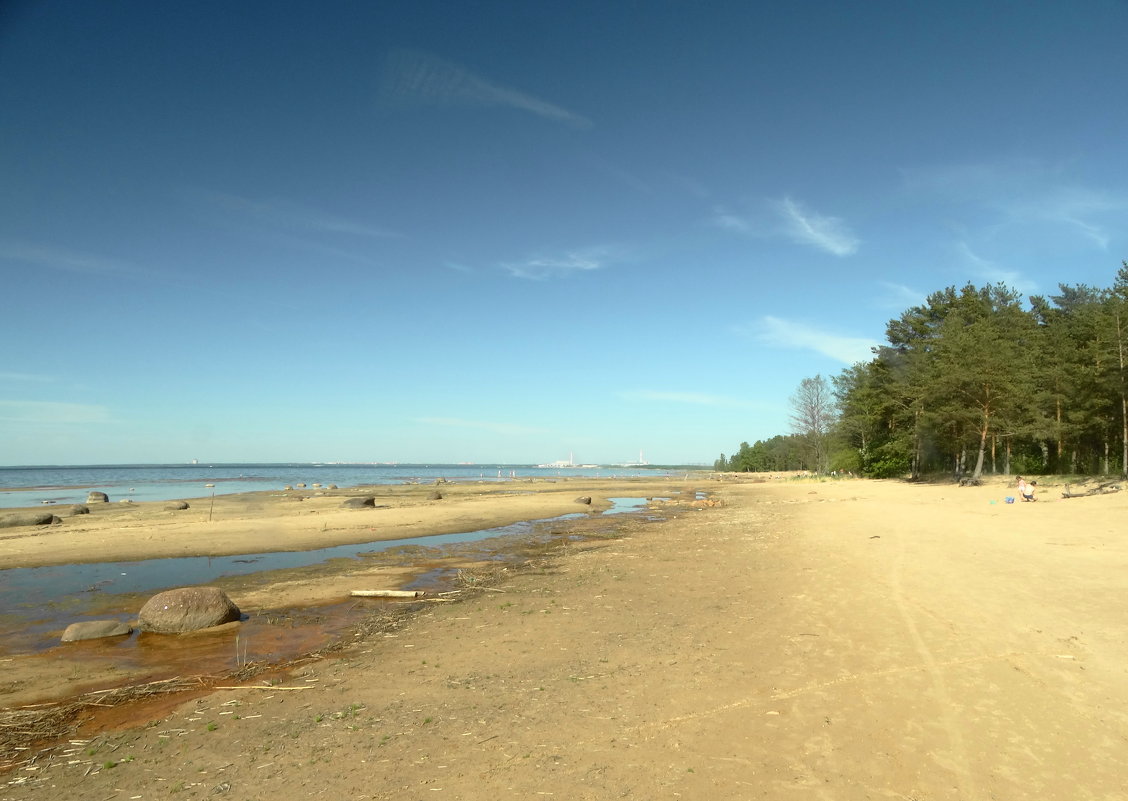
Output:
x,y
982,450
1060,443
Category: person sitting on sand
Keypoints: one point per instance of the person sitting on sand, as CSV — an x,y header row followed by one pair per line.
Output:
x,y
1027,490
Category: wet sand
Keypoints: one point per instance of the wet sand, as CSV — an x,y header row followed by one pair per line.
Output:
x,y
289,611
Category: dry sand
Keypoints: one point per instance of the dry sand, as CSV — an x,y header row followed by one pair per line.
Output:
x,y
835,640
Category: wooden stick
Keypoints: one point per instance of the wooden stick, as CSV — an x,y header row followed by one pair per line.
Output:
x,y
388,593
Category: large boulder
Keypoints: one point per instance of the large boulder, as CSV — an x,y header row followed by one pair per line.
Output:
x,y
187,609
97,497
29,519
177,506
94,629
80,509
359,502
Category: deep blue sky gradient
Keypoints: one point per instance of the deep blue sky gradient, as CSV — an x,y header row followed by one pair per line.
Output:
x,y
507,231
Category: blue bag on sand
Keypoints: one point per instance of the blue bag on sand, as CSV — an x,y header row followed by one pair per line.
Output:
x,y
1009,499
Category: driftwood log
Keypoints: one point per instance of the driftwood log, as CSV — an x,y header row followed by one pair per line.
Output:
x,y
388,593
1084,492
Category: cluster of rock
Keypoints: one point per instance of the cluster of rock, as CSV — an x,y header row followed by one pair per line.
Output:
x,y
42,518
57,514
169,612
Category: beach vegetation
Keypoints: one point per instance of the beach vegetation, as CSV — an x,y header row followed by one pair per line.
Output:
x,y
973,381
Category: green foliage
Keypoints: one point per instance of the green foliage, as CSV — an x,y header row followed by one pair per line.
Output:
x,y
973,380
778,454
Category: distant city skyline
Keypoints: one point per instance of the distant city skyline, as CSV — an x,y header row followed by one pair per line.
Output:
x,y
503,232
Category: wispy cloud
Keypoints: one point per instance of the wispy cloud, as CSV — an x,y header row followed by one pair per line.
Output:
x,y
56,258
809,228
899,296
479,425
26,377
690,398
990,272
294,217
723,218
1077,208
52,412
800,336
1024,193
422,77
541,268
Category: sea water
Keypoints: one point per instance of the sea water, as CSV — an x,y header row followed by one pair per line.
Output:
x,y
35,486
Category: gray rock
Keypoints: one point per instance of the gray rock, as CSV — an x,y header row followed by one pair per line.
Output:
x,y
359,503
29,519
177,506
187,609
287,488
584,499
94,629
330,486
97,497
300,486
80,509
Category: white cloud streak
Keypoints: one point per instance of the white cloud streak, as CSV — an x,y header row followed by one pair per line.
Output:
x,y
1025,193
52,412
287,215
808,228
991,273
722,218
26,377
799,336
478,425
56,258
422,77
899,296
541,268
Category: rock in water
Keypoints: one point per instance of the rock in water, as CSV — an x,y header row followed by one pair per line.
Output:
x,y
187,609
94,629
97,497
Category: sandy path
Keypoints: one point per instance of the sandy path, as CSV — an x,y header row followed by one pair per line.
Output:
x,y
854,640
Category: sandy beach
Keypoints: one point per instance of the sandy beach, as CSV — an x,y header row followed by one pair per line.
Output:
x,y
803,639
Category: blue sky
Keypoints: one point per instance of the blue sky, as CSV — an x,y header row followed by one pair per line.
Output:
x,y
510,231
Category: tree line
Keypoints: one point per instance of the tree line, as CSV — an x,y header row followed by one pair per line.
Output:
x,y
973,380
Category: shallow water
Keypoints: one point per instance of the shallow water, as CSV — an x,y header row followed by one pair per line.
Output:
x,y
36,603
37,486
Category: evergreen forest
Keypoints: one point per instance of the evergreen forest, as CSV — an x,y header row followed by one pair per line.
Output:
x,y
973,381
